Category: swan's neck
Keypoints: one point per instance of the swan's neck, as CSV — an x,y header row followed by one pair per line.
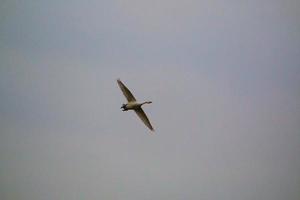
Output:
x,y
146,102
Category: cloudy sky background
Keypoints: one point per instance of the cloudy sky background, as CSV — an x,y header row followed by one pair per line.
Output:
x,y
223,77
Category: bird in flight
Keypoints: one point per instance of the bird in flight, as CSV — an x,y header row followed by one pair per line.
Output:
x,y
132,104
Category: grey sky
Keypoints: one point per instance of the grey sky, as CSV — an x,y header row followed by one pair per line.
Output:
x,y
223,77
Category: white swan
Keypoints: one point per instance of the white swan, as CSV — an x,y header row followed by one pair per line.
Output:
x,y
132,104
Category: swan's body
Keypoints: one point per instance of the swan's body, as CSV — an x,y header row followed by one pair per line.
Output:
x,y
132,104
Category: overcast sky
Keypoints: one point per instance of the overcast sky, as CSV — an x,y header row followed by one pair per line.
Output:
x,y
223,76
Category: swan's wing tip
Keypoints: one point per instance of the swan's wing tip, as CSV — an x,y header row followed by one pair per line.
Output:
x,y
142,115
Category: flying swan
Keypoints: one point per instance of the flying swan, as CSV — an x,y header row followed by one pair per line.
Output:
x,y
132,104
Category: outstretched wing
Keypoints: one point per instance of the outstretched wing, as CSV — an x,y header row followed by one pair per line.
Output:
x,y
144,118
126,91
